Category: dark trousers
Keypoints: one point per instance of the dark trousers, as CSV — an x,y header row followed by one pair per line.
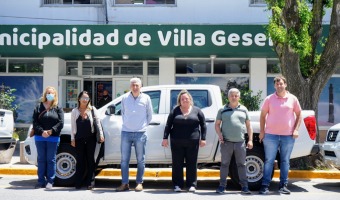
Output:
x,y
85,148
184,150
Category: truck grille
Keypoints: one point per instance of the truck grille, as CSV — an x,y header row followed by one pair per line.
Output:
x,y
331,135
330,153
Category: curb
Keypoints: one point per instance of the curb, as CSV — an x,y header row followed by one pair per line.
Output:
x,y
166,173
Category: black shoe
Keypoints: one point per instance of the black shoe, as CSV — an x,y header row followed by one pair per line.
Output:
x,y
264,189
220,189
38,186
90,187
245,190
77,187
283,189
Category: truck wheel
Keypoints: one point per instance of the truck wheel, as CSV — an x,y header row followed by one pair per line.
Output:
x,y
66,165
254,168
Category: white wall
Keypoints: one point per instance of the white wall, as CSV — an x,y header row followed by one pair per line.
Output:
x,y
167,70
258,75
52,71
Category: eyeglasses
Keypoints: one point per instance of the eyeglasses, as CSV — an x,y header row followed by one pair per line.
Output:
x,y
85,98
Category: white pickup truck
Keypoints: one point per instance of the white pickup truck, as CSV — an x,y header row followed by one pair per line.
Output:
x,y
330,149
163,97
7,142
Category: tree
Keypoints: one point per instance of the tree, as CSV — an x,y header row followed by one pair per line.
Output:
x,y
7,98
295,28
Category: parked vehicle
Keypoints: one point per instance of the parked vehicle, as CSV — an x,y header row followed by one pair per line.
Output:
x,y
7,142
330,149
163,97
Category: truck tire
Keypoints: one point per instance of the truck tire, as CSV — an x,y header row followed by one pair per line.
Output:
x,y
254,168
66,165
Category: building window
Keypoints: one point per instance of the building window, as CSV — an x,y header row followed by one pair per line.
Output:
x,y
72,2
145,2
25,65
2,65
128,68
231,66
199,66
273,67
97,68
72,68
257,3
153,68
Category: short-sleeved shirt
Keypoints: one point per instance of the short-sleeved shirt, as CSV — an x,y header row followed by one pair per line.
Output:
x,y
281,111
233,122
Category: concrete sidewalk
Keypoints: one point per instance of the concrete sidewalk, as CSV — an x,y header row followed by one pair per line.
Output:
x,y
15,167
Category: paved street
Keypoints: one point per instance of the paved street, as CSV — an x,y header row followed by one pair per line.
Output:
x,y
21,187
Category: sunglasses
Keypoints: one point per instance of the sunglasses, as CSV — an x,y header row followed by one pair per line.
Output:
x,y
85,98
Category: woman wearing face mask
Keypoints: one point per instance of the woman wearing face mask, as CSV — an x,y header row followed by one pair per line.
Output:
x,y
48,120
84,139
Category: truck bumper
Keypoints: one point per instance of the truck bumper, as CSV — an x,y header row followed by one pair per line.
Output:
x,y
331,153
30,151
7,148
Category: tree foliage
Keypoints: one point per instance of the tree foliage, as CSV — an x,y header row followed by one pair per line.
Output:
x,y
307,59
250,101
7,98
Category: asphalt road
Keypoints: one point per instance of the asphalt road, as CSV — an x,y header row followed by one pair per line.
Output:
x,y
21,187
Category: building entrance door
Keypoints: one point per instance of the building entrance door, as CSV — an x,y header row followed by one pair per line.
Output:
x,y
96,87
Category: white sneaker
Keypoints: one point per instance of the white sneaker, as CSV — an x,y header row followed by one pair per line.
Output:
x,y
49,186
177,189
192,189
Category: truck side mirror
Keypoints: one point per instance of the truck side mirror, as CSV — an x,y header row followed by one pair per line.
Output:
x,y
111,110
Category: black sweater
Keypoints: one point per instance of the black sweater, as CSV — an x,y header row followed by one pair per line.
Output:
x,y
52,119
180,127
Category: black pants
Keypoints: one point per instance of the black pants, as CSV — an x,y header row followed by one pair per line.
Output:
x,y
184,150
85,148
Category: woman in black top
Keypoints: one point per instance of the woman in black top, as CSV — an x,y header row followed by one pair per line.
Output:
x,y
84,139
48,120
187,130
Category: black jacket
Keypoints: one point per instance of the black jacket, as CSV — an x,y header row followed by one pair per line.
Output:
x,y
52,119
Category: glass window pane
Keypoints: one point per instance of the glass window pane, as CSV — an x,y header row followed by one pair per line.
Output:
x,y
2,65
153,68
129,1
273,67
25,65
155,97
128,68
231,66
72,68
97,68
160,2
193,66
201,98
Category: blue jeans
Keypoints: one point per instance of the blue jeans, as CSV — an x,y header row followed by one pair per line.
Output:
x,y
47,152
271,144
138,140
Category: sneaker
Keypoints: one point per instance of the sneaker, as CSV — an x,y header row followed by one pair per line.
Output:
x,y
192,189
283,189
38,186
245,190
139,187
48,186
220,189
264,189
177,189
122,187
